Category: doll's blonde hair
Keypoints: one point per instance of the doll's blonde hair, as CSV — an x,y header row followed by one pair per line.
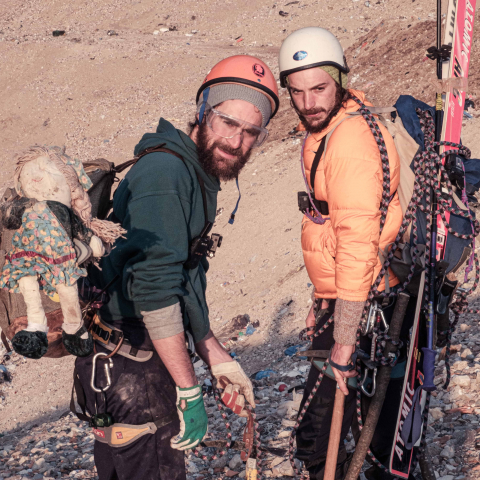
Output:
x,y
107,231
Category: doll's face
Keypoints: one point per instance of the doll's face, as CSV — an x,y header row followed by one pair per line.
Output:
x,y
40,179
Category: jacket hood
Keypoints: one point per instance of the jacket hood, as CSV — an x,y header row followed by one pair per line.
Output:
x,y
179,142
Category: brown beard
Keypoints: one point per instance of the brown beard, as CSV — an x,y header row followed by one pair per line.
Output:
x,y
341,96
215,165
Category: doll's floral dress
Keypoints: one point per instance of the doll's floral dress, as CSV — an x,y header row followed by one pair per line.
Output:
x,y
41,247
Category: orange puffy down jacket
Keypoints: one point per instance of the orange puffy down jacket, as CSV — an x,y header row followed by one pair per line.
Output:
x,y
342,255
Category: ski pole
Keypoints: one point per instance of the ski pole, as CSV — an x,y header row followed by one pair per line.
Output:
x,y
428,351
335,434
383,379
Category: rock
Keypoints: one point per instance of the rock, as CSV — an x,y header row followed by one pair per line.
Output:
x,y
286,469
465,353
38,464
286,408
446,477
448,452
436,413
455,394
220,462
276,461
461,381
462,365
464,327
236,462
192,468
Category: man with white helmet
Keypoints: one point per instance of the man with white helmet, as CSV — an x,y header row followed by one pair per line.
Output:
x,y
149,408
340,231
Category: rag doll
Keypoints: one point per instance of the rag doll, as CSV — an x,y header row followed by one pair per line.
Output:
x,y
55,236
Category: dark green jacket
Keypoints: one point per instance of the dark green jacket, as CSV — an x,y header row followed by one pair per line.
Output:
x,y
159,203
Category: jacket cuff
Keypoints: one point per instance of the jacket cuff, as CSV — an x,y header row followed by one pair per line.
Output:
x,y
353,295
347,320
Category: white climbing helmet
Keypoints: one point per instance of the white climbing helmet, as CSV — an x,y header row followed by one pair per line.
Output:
x,y
307,48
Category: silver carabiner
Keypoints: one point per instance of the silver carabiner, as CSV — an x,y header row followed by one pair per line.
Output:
x,y
374,383
108,366
367,329
385,324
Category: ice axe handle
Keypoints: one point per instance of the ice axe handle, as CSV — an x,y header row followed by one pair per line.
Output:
x,y
335,433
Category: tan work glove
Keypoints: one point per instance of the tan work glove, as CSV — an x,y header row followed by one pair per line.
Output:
x,y
240,387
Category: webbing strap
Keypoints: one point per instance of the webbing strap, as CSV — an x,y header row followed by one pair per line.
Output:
x,y
7,346
316,162
161,148
81,398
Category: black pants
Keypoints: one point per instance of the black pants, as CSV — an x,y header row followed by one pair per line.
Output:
x,y
314,430
141,392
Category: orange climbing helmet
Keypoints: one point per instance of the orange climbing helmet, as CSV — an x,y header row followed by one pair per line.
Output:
x,y
244,70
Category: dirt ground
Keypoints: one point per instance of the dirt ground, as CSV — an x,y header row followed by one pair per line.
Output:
x,y
114,73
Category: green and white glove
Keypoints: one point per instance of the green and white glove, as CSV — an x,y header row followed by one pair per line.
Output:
x,y
193,418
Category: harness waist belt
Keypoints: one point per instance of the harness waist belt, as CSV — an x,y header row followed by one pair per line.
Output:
x,y
122,434
109,337
321,206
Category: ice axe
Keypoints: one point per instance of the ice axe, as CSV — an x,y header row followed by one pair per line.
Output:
x,y
383,379
335,433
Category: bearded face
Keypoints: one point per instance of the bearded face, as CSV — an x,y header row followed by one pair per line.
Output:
x,y
217,157
316,98
224,144
318,118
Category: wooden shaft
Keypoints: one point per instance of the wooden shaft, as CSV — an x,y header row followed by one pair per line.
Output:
x,y
335,434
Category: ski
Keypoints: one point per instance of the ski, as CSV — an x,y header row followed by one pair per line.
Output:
x,y
458,34
401,458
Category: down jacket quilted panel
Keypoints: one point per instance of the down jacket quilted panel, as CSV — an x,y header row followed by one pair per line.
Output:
x,y
342,255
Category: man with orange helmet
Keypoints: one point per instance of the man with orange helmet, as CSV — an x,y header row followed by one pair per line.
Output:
x,y
152,408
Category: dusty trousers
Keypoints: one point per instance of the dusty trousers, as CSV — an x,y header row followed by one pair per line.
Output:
x,y
314,430
141,392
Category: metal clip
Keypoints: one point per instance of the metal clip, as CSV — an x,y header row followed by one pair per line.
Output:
x,y
374,383
108,366
385,324
370,393
367,329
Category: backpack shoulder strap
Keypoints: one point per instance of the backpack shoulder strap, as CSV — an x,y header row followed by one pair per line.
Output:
x,y
318,155
162,148
316,162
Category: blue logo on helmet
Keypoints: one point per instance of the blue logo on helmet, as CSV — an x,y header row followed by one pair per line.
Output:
x,y
300,55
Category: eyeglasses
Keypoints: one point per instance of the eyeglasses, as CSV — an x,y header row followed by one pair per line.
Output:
x,y
226,126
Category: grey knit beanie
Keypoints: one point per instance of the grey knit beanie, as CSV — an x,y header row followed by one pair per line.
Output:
x,y
234,91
